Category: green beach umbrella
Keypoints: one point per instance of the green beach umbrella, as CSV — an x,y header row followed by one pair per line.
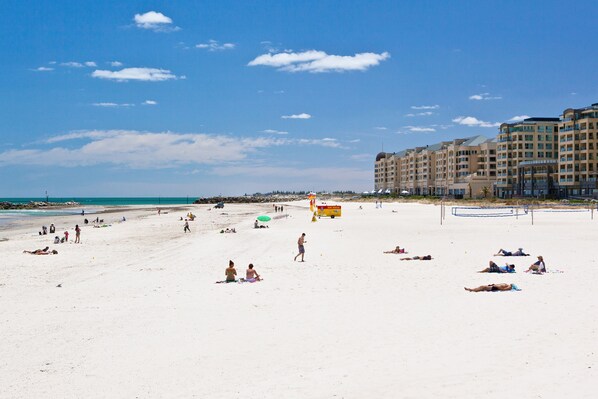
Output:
x,y
264,218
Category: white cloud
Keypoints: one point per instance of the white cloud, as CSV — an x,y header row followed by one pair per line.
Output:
x,y
420,129
214,45
43,69
155,21
143,74
148,150
474,122
116,63
518,118
72,64
361,157
90,64
354,141
150,102
425,106
297,116
484,96
381,128
112,105
274,131
426,113
319,61
325,142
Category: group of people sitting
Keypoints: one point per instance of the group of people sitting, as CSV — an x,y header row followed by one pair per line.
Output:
x,y
45,251
251,275
44,230
227,230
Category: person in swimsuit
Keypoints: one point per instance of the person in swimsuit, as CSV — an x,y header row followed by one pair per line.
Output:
x,y
230,272
300,242
425,257
538,266
251,275
519,252
77,234
494,287
494,268
42,252
397,250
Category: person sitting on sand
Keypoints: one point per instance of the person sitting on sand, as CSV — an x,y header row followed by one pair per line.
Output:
x,y
56,240
256,225
538,267
251,275
494,287
52,228
230,272
426,257
502,252
494,268
397,250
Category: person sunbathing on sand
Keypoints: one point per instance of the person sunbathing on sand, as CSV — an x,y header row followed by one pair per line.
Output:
x,y
41,252
538,267
494,287
397,250
494,268
519,252
251,275
230,272
427,257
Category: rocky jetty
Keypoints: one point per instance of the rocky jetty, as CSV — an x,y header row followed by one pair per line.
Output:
x,y
249,199
37,205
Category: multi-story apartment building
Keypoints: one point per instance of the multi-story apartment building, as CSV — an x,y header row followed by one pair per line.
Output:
x,y
533,157
578,151
527,157
458,167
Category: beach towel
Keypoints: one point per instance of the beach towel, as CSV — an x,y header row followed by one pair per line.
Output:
x,y
515,288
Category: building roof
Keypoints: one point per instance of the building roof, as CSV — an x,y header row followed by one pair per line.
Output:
x,y
474,141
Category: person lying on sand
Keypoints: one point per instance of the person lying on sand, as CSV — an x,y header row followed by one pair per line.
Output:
x,y
44,251
494,287
494,268
502,252
537,267
426,257
397,250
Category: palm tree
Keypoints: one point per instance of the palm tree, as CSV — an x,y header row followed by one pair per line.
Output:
x,y
485,191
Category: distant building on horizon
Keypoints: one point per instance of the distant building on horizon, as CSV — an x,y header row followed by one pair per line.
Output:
x,y
537,157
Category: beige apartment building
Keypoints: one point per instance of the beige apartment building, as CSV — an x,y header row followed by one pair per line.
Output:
x,y
527,158
461,167
578,151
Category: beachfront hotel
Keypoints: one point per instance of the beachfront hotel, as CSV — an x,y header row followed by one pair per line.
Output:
x,y
462,167
527,158
578,151
541,156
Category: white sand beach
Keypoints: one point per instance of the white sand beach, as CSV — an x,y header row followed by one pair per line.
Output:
x,y
138,313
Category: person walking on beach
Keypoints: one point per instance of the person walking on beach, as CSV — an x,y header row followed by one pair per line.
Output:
x,y
66,236
187,229
300,243
77,234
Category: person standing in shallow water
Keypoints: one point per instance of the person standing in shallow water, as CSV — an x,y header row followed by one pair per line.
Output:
x,y
300,243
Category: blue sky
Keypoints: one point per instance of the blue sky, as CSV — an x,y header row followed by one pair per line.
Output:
x,y
194,98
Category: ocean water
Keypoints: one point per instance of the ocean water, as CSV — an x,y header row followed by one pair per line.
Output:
x,y
11,215
105,201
